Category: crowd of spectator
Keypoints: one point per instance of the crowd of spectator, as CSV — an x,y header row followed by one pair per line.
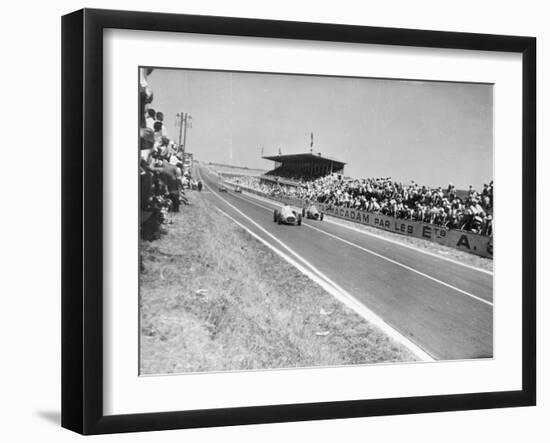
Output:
x,y
163,176
448,207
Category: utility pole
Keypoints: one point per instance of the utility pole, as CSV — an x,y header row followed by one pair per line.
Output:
x,y
185,130
186,124
180,124
183,121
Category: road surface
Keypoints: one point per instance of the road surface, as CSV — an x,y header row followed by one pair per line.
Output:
x,y
444,308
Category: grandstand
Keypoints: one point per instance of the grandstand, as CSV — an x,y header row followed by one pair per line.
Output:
x,y
308,166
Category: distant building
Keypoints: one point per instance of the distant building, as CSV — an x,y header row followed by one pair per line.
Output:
x,y
308,166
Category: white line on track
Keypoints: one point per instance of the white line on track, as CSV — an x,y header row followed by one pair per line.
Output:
x,y
340,294
414,248
330,286
389,240
376,254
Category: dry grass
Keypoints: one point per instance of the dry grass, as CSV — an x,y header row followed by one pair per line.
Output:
x,y
215,299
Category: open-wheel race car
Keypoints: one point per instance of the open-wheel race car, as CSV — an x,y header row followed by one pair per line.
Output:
x,y
288,216
311,211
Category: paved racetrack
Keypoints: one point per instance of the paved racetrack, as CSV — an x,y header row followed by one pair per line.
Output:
x,y
444,308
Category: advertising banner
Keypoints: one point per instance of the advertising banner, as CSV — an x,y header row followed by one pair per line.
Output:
x,y
466,241
463,240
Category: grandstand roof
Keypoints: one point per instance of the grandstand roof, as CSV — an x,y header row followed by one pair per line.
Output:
x,y
305,156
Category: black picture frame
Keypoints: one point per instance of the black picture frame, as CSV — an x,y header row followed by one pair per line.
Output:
x,y
82,218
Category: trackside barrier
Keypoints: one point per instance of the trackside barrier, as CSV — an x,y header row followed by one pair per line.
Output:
x,y
463,240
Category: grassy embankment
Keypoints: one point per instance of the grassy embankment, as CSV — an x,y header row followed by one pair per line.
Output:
x,y
214,299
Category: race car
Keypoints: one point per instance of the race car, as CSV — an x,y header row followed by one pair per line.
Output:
x,y
238,189
222,187
286,215
311,211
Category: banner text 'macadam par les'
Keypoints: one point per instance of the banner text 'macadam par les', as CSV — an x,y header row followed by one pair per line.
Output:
x,y
466,241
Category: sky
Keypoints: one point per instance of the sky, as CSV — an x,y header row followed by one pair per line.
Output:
x,y
434,133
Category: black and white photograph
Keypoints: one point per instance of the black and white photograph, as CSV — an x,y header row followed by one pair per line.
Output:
x,y
298,221
304,246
